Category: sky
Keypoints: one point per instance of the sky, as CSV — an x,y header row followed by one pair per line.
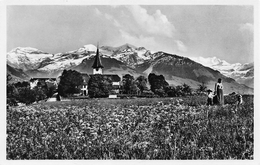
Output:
x,y
223,31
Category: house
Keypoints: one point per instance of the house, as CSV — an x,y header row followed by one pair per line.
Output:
x,y
97,69
84,87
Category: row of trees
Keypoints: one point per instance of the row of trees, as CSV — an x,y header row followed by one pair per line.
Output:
x,y
101,86
23,93
98,86
158,86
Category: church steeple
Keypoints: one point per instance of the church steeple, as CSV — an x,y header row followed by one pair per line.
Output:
x,y
97,65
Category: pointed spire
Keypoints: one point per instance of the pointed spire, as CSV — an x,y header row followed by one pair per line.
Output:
x,y
97,62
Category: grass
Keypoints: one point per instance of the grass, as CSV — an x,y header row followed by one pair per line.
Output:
x,y
154,128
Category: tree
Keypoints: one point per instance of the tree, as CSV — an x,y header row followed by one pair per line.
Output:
x,y
129,85
70,80
99,86
40,93
11,91
179,90
8,78
22,84
202,88
26,95
158,83
141,82
160,92
51,88
186,89
19,92
134,88
171,91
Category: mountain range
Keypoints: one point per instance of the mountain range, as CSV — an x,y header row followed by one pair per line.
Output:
x,y
27,62
242,73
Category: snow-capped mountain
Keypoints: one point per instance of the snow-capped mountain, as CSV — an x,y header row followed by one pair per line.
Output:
x,y
27,58
132,60
127,53
242,73
31,59
85,49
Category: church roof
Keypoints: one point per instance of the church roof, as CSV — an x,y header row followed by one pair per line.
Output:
x,y
97,61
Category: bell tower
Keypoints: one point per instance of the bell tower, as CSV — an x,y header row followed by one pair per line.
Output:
x,y
97,65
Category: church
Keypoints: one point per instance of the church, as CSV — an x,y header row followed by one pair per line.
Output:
x,y
98,69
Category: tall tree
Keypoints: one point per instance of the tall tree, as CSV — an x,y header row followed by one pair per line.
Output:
x,y
141,82
158,83
11,91
40,93
70,80
51,88
129,85
99,86
26,95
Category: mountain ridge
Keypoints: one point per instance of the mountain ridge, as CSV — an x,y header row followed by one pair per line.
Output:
x,y
118,60
242,73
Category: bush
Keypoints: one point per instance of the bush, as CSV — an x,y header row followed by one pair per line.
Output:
x,y
160,92
147,92
11,101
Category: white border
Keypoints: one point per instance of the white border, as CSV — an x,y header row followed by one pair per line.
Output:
x,y
4,3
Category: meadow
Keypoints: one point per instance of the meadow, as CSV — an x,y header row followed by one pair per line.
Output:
x,y
154,128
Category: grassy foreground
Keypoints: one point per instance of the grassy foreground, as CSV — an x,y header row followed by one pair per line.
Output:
x,y
156,128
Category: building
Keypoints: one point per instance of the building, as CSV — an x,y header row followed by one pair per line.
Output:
x,y
98,69
84,87
97,65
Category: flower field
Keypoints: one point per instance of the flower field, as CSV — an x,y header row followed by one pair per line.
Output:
x,y
154,128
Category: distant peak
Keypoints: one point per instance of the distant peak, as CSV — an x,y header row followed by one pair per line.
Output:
x,y
26,50
141,48
128,45
88,47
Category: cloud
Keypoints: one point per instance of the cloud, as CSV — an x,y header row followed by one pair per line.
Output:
x,y
157,23
108,17
247,33
180,46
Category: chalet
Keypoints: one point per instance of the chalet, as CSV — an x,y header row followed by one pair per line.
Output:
x,y
97,69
